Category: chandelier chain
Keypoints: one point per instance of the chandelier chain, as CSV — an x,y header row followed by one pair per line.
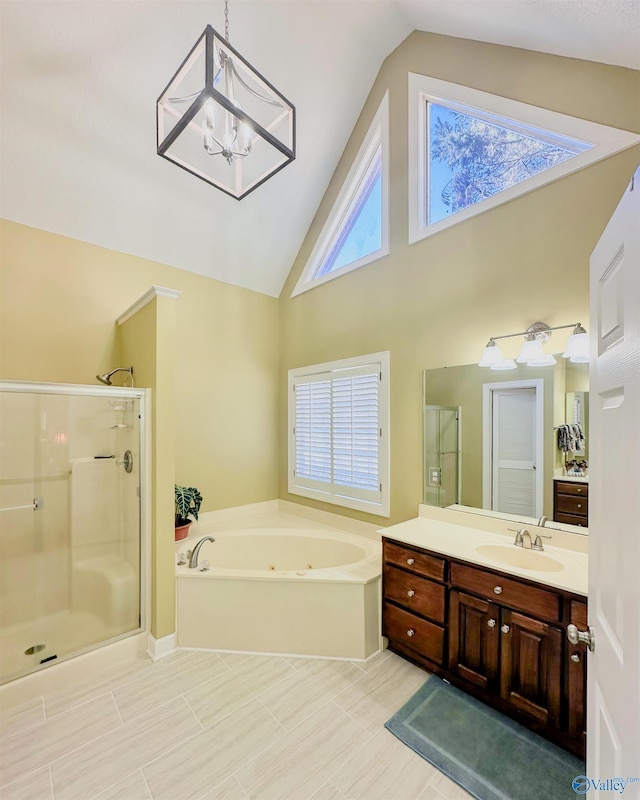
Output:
x,y
226,19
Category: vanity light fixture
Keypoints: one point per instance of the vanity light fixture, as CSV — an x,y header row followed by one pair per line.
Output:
x,y
221,120
532,353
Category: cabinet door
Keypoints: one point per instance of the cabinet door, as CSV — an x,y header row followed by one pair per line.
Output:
x,y
531,667
474,639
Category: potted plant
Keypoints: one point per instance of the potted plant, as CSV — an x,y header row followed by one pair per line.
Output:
x,y
188,501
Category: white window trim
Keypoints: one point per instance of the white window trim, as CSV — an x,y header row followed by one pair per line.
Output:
x,y
606,141
383,508
377,136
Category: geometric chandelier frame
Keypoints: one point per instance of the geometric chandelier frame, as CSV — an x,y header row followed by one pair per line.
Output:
x,y
223,121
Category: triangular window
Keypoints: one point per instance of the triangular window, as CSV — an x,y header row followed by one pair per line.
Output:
x,y
470,151
472,156
357,229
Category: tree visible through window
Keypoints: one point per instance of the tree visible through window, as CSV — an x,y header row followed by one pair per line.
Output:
x,y
471,159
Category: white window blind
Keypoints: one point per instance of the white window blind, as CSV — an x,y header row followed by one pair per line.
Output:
x,y
338,448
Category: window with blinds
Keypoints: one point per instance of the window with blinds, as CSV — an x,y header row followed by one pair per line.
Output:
x,y
339,433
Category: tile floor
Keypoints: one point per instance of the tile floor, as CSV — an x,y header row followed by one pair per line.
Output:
x,y
221,727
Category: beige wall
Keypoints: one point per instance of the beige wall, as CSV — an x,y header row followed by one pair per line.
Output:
x,y
147,341
59,302
215,361
436,303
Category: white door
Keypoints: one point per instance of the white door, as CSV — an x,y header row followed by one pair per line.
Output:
x,y
613,704
514,449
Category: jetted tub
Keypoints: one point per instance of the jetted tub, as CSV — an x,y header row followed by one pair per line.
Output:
x,y
289,590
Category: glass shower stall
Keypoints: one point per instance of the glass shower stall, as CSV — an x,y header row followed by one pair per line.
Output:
x,y
71,575
441,447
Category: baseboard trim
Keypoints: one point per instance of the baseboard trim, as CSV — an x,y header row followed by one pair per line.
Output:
x,y
160,648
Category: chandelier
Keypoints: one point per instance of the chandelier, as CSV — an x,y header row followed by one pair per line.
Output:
x,y
221,120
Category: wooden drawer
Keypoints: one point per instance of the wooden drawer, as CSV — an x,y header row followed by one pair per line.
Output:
x,y
414,561
571,519
568,487
572,504
414,632
506,591
414,593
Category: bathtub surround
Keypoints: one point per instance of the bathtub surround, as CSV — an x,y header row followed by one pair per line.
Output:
x,y
279,582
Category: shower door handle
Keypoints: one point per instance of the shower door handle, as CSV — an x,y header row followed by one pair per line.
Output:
x,y
38,502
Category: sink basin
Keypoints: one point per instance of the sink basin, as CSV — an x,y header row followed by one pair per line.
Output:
x,y
519,557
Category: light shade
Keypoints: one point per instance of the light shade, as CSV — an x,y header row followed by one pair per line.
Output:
x,y
545,360
578,347
506,363
531,351
221,120
491,355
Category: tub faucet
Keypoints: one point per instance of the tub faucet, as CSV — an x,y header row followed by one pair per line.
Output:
x,y
542,521
193,558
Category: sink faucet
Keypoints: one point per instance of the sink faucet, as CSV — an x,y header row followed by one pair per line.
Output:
x,y
520,534
542,521
193,558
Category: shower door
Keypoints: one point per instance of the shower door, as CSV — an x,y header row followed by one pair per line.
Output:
x,y
70,544
441,455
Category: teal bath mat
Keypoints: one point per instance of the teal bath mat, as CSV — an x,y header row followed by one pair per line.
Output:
x,y
489,755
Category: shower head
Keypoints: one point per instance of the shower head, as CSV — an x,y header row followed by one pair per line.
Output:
x,y
106,378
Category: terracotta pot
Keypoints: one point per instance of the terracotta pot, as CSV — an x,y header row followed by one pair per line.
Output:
x,y
182,532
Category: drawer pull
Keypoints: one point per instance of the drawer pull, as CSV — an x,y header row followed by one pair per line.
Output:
x,y
497,589
575,657
491,623
410,632
579,489
411,561
505,629
579,505
410,593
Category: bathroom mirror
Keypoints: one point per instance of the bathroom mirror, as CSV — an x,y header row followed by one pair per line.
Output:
x,y
491,438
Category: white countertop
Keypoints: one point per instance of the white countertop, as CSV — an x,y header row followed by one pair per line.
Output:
x,y
461,542
572,478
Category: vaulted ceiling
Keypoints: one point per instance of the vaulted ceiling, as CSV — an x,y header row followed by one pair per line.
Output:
x,y
80,78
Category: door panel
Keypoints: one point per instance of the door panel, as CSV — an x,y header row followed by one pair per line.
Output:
x,y
613,707
531,666
474,639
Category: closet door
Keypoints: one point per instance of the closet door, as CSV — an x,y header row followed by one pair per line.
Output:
x,y
514,479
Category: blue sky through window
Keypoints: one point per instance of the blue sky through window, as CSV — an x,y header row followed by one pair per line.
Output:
x,y
361,233
470,159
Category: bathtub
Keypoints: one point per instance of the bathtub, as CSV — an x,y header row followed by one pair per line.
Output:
x,y
292,588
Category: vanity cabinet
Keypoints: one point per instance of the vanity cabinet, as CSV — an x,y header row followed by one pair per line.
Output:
x,y
571,502
500,638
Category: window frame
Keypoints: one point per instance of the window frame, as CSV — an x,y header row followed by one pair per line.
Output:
x,y
605,140
377,137
382,362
